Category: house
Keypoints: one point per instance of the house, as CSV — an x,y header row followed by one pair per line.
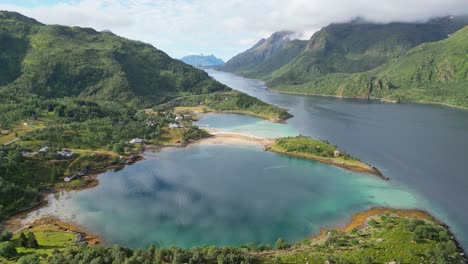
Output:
x,y
28,123
337,153
69,178
27,154
173,125
44,149
179,118
136,141
66,153
151,123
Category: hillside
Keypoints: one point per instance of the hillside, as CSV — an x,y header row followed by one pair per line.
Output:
x,y
202,60
339,52
259,53
57,61
431,72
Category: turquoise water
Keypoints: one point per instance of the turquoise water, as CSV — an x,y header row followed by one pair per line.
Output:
x,y
419,146
225,195
246,124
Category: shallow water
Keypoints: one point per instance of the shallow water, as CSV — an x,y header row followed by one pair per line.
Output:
x,y
246,125
230,195
423,147
225,195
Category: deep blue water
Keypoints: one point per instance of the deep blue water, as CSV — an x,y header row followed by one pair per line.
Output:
x,y
230,195
419,146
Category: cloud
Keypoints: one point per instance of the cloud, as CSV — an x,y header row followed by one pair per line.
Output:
x,y
226,27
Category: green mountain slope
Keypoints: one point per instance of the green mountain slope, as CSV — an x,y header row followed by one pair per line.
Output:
x,y
357,47
259,53
431,72
57,61
354,60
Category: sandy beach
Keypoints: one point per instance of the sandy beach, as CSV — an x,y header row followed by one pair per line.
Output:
x,y
55,212
232,138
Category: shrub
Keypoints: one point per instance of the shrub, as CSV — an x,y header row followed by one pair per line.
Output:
x,y
29,259
281,244
6,236
7,249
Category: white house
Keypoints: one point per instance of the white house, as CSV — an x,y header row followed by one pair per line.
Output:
x,y
66,153
337,153
179,118
173,125
44,149
136,141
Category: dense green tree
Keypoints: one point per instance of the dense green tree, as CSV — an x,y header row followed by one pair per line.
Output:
x,y
281,244
23,240
32,241
6,236
29,259
7,249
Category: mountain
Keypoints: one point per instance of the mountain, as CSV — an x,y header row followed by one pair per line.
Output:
x,y
339,50
259,53
202,60
431,72
358,46
55,61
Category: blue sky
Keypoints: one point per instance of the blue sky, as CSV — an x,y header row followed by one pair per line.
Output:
x,y
222,27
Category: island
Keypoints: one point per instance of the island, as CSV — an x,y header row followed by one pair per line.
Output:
x,y
323,151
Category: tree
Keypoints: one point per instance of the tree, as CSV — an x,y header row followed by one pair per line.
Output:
x,y
7,249
32,241
6,236
54,175
281,244
29,259
152,249
23,240
118,148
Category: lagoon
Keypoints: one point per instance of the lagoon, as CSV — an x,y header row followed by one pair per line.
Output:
x,y
419,146
225,195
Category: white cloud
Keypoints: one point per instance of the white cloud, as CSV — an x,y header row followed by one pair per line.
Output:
x,y
226,27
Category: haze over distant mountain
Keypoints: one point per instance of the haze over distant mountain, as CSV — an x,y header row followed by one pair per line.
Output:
x,y
202,60
323,64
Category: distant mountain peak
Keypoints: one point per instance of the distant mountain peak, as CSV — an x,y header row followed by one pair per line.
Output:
x,y
202,60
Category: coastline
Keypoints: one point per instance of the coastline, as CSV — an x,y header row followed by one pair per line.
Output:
x,y
383,100
357,168
205,110
19,221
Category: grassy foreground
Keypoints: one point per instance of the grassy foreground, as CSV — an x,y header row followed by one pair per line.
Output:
x,y
377,236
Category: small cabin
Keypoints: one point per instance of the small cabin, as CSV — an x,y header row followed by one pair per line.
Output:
x,y
173,125
337,153
136,141
66,153
44,149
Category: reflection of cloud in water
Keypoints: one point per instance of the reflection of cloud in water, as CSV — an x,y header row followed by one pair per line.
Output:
x,y
57,207
219,195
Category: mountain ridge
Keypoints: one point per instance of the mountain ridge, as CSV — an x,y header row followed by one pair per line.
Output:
x,y
58,61
202,60
341,50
